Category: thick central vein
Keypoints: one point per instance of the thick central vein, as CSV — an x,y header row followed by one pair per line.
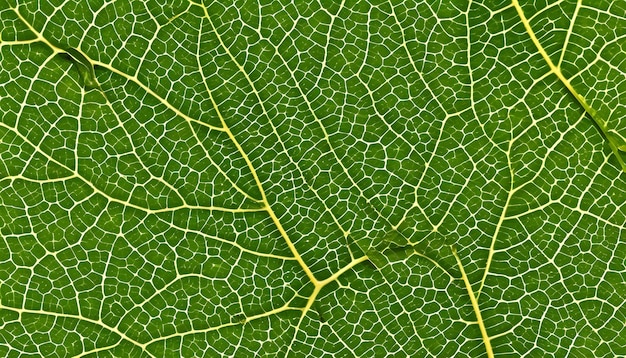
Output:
x,y
319,284
601,123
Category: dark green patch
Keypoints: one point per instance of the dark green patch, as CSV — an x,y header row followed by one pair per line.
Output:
x,y
84,67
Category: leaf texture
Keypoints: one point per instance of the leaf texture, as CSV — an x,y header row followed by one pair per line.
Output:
x,y
349,178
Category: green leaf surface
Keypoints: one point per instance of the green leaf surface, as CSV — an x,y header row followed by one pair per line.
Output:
x,y
312,179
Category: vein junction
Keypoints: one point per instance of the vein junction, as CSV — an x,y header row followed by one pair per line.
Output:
x,y
264,204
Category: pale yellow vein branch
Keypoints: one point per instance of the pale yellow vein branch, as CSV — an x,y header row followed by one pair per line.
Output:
x,y
569,32
96,350
342,271
126,203
318,287
479,318
163,101
133,79
19,42
99,323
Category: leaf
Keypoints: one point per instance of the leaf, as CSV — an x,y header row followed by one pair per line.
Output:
x,y
382,178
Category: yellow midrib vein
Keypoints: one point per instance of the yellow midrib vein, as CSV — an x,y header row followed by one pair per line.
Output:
x,y
602,125
472,296
318,283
